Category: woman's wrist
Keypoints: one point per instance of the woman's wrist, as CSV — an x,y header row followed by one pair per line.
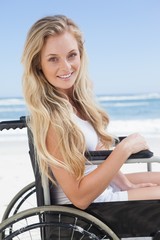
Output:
x,y
124,148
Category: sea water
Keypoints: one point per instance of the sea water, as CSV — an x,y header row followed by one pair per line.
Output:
x,y
133,113
128,113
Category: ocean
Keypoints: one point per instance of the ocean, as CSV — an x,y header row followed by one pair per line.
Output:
x,y
128,113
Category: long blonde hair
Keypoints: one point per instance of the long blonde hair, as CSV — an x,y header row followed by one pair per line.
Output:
x,y
48,106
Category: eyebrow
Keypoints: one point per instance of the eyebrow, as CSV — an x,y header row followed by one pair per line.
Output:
x,y
51,54
55,54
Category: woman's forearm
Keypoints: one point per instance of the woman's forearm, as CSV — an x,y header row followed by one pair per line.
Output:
x,y
92,185
82,192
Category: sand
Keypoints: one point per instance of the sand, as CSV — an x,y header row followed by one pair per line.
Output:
x,y
15,168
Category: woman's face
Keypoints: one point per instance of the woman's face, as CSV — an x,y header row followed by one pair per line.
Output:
x,y
60,61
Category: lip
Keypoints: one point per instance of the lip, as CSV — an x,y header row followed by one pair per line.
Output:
x,y
65,76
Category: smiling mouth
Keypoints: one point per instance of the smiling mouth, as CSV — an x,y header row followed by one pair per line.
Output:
x,y
65,76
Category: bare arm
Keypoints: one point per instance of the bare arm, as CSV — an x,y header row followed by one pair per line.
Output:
x,y
82,193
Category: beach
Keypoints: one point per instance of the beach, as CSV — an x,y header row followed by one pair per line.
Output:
x,y
15,166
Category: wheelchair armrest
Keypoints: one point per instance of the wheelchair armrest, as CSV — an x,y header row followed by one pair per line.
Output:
x,y
13,124
146,156
102,155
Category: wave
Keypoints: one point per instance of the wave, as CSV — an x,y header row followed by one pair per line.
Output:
x,y
146,96
147,127
11,101
125,104
101,98
15,109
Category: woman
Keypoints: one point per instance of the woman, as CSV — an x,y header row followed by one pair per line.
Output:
x,y
66,122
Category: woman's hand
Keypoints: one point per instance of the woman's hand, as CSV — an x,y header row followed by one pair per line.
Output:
x,y
134,143
122,181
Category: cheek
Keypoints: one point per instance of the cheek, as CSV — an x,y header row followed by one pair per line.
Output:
x,y
48,71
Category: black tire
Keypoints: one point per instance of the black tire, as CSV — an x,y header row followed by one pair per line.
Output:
x,y
56,223
24,199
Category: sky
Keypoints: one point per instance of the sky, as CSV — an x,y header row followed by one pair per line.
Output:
x,y
122,38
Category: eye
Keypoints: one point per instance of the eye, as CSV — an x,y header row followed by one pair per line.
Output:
x,y
72,55
53,59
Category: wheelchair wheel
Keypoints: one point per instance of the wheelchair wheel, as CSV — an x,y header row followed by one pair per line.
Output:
x,y
54,222
24,199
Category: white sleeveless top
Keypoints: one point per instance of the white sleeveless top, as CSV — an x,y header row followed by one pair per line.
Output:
x,y
88,131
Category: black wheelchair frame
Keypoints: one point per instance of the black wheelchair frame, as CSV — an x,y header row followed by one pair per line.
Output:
x,y
49,220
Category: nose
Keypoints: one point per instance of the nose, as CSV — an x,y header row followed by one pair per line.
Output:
x,y
65,65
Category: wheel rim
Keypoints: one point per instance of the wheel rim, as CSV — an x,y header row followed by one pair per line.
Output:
x,y
55,222
23,200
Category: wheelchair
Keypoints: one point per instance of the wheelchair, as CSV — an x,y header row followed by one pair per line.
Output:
x,y
47,219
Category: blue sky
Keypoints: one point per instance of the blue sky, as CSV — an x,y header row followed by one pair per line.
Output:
x,y
122,38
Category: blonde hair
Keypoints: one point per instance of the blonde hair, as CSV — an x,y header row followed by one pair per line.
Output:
x,y
48,106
